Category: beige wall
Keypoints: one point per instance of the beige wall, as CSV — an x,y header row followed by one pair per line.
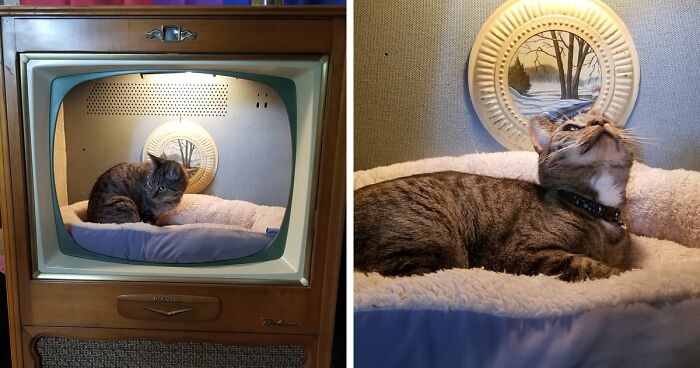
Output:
x,y
411,99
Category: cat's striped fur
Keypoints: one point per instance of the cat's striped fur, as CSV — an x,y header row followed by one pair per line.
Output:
x,y
428,222
141,192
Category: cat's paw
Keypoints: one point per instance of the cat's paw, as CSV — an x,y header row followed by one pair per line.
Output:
x,y
149,221
588,269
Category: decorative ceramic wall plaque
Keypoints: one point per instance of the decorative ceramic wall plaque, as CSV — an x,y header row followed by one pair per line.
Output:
x,y
191,145
551,58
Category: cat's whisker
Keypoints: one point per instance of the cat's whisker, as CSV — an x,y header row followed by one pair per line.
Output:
x,y
636,137
645,142
659,146
576,144
636,128
640,125
558,152
630,132
638,142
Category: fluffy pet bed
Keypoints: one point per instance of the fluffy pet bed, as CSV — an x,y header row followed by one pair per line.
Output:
x,y
202,228
649,316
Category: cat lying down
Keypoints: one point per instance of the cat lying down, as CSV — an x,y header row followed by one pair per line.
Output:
x,y
662,214
137,192
570,225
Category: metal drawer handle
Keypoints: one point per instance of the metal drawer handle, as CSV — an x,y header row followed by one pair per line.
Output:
x,y
171,34
169,313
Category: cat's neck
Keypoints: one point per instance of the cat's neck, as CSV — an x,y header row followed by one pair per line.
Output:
x,y
605,186
608,189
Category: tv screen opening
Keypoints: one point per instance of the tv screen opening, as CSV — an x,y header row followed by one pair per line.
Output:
x,y
172,167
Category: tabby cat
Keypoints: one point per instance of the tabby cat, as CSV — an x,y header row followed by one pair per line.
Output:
x,y
141,192
568,226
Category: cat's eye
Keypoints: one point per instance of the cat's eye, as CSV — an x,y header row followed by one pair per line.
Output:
x,y
570,127
161,188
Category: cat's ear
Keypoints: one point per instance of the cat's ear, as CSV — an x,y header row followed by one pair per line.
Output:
x,y
157,161
541,130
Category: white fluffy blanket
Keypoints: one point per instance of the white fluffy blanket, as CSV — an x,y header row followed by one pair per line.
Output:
x,y
663,214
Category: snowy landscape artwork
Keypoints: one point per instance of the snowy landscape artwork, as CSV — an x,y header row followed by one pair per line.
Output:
x,y
183,151
556,74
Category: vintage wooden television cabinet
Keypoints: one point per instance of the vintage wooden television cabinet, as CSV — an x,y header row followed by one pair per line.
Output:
x,y
84,88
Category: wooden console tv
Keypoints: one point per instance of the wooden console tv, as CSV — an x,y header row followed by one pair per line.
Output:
x,y
224,313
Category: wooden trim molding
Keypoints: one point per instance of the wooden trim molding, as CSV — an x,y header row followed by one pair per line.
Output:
x,y
336,165
9,109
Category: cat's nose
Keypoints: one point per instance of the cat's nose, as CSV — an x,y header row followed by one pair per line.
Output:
x,y
599,121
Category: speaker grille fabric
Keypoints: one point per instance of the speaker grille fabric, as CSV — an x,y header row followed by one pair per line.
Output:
x,y
58,352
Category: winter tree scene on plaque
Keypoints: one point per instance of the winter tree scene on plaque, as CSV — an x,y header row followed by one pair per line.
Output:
x,y
184,152
556,74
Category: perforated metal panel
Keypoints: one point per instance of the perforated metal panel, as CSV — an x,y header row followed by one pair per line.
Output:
x,y
58,352
158,99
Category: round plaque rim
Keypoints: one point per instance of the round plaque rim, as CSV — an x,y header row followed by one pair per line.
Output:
x,y
200,137
514,23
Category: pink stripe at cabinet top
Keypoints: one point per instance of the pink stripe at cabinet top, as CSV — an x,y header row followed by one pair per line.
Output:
x,y
132,2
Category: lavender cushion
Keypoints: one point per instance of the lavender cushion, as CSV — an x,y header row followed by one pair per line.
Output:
x,y
203,228
192,243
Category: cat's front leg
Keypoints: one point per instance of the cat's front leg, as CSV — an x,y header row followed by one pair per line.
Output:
x,y
567,266
584,268
148,218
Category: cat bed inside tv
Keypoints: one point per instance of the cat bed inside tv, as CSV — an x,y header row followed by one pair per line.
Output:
x,y
481,318
202,228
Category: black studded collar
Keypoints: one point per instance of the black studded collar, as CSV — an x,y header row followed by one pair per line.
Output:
x,y
601,211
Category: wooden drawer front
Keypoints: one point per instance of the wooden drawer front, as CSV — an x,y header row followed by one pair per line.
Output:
x,y
121,305
161,307
213,36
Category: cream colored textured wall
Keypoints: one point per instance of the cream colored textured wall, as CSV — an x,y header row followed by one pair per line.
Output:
x,y
411,99
59,160
252,138
410,64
